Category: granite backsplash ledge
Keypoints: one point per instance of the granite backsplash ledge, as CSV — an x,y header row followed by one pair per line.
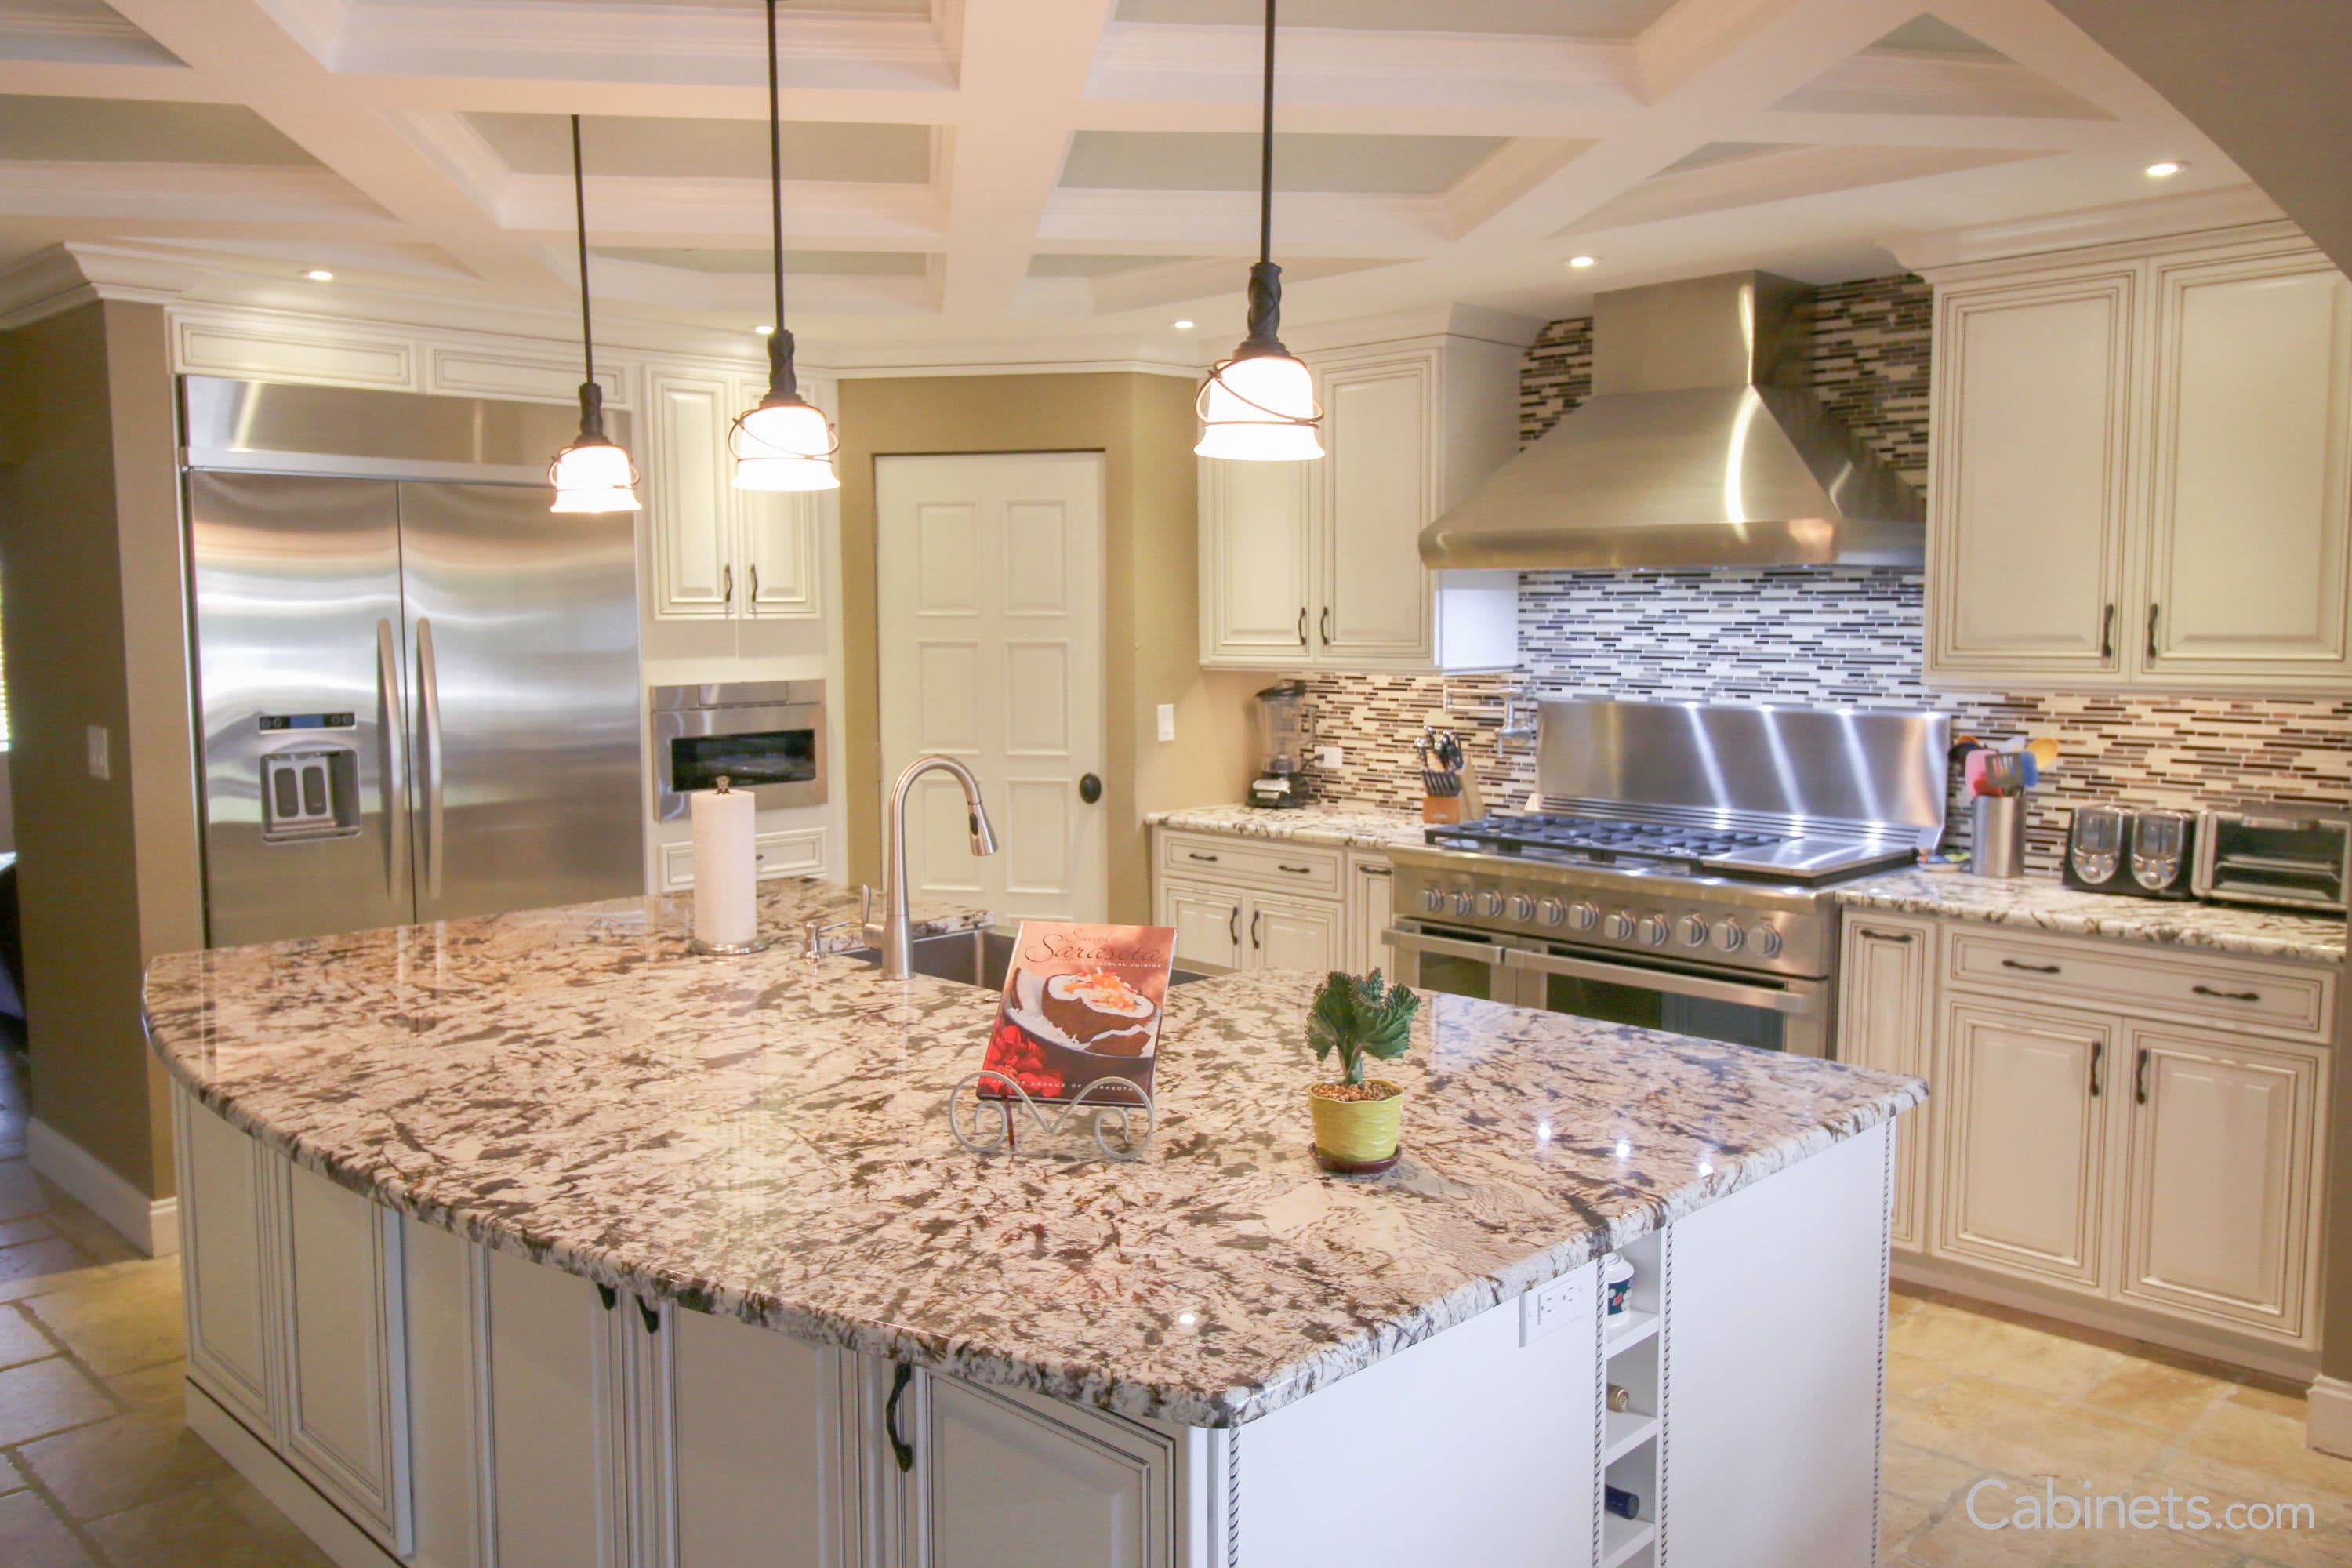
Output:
x,y
1823,636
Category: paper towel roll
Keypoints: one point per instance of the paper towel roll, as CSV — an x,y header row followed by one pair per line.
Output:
x,y
726,867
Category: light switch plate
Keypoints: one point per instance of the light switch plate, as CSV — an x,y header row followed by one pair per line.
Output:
x,y
1167,720
101,767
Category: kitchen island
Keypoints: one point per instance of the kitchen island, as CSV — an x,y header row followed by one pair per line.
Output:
x,y
536,1239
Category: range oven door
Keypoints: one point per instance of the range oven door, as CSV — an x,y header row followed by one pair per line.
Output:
x,y
1769,1011
1459,963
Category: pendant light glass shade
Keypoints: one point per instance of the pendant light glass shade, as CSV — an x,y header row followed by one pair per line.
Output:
x,y
592,474
1259,406
783,442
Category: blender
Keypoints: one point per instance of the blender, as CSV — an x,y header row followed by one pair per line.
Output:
x,y
1282,726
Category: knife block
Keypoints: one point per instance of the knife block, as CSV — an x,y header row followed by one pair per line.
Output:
x,y
1440,808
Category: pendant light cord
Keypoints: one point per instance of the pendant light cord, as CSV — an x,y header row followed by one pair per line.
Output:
x,y
580,220
1265,152
781,382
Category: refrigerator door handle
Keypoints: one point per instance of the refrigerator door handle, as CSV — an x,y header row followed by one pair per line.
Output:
x,y
428,684
392,721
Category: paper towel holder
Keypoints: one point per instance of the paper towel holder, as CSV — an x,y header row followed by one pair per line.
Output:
x,y
696,945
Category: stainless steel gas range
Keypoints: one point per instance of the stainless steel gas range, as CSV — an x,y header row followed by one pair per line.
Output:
x,y
1670,870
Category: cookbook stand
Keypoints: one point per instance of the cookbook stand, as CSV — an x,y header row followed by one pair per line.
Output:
x,y
1110,1119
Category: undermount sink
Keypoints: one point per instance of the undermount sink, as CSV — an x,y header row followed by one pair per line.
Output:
x,y
977,958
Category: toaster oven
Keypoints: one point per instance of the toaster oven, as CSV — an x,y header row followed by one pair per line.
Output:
x,y
2292,858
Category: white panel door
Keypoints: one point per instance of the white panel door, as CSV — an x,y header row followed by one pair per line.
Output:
x,y
554,1403
1379,491
225,1263
1292,933
2221,1179
2253,495
690,503
759,1466
346,1385
992,650
1257,526
2029,496
1885,1003
1207,922
2024,1120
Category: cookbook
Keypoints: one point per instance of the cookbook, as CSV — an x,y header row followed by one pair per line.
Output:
x,y
1082,1008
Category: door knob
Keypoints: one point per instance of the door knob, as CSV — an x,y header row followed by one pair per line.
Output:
x,y
1089,788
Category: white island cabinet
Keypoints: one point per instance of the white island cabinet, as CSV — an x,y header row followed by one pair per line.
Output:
x,y
446,1404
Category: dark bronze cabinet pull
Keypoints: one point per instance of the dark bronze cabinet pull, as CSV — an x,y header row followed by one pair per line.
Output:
x,y
2107,635
2029,968
1886,935
727,585
900,1450
1196,855
2151,629
1234,925
1302,626
1375,870
2139,1077
1326,625
1254,916
2227,995
755,585
1294,870
2098,1050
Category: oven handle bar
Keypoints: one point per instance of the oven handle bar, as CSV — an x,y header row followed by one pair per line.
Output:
x,y
1493,954
1798,999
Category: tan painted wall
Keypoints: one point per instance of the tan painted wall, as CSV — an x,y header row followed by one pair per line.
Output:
x,y
90,570
1143,427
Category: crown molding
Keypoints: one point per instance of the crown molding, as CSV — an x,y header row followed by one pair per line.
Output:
x,y
1502,327
2125,224
52,281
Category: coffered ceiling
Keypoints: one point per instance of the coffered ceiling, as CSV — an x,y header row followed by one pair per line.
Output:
x,y
990,169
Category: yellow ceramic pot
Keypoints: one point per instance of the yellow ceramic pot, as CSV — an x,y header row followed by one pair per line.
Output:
x,y
1359,1131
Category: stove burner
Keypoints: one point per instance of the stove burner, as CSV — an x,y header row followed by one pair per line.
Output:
x,y
1602,836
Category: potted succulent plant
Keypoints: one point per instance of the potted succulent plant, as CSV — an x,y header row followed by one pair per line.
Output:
x,y
1357,1119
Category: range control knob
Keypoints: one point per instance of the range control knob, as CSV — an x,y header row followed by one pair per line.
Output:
x,y
1655,930
1462,903
1552,912
1433,899
1767,941
1584,914
1694,929
1490,904
1729,936
1522,907
1620,925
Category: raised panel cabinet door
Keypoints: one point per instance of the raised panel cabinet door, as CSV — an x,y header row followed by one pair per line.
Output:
x,y
760,1461
778,534
554,1402
2030,494
1257,522
2252,485
1207,922
1373,906
225,1264
688,495
1292,933
346,1385
2220,1173
1008,1479
2024,1139
1885,1015
1379,491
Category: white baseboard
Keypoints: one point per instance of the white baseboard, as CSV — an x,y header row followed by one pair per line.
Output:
x,y
2328,1427
151,1225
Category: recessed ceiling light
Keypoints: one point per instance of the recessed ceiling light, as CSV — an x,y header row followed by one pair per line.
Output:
x,y
1181,326
763,330
2165,170
1583,260
320,275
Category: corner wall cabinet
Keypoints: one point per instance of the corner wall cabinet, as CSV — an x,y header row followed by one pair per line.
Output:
x,y
720,552
2128,1135
1318,565
1260,903
2142,468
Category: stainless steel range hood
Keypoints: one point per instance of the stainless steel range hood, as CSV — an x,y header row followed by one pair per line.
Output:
x,y
1702,444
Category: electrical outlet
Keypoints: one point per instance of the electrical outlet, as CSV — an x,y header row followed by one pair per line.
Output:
x,y
99,767
1167,720
1549,1307
1328,756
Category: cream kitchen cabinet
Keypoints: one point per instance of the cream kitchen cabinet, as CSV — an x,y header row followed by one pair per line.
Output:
x,y
1318,565
1240,902
2142,469
1221,929
1372,903
720,552
1887,988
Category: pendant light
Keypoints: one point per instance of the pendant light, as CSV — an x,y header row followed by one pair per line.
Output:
x,y
592,474
785,443
1259,406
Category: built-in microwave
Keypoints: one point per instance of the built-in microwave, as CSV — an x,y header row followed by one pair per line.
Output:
x,y
766,736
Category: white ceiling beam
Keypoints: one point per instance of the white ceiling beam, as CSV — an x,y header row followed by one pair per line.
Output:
x,y
1785,174
638,210
1306,223
1319,66
138,193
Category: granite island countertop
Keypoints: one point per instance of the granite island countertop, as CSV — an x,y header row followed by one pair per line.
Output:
x,y
767,1137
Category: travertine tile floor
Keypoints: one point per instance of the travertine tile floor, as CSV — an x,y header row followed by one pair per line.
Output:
x,y
98,1469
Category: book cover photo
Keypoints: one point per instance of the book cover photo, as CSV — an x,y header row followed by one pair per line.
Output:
x,y
1082,1003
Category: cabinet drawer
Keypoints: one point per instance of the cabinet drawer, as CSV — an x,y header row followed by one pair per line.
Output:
x,y
1252,862
2284,999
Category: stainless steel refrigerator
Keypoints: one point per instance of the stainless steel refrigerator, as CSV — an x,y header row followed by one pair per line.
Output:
x,y
417,689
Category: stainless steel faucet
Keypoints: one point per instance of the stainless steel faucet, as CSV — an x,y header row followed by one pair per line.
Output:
x,y
894,934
